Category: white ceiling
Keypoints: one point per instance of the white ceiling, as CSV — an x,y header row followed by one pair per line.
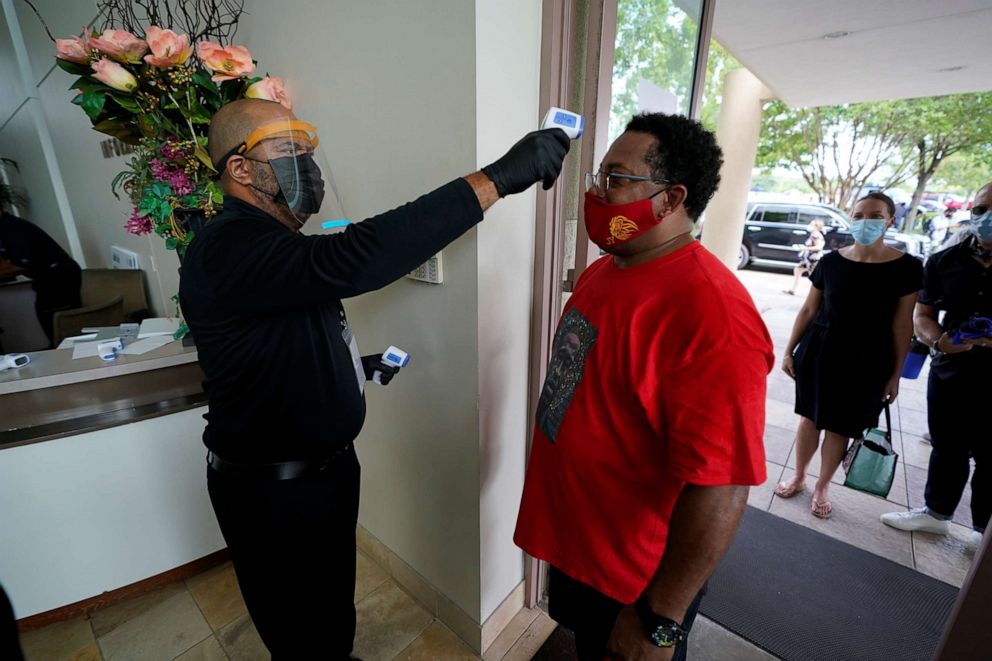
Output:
x,y
895,49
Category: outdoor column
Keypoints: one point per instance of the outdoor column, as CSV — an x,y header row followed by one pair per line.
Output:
x,y
737,130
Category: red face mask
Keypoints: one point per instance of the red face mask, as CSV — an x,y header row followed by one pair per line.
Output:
x,y
610,225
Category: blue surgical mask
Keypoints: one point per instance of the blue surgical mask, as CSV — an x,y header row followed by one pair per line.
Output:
x,y
981,226
867,232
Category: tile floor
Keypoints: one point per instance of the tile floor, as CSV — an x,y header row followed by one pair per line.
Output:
x,y
204,618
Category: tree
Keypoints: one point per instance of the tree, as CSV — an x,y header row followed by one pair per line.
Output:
x,y
940,127
656,41
965,172
838,150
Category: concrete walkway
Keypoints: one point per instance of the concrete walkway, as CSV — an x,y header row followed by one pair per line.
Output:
x,y
855,517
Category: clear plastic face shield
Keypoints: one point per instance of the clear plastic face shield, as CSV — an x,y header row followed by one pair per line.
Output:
x,y
283,153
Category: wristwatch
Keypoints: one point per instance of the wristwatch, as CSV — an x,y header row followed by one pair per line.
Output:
x,y
934,351
662,631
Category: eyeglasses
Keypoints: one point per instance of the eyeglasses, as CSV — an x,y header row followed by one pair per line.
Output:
x,y
605,181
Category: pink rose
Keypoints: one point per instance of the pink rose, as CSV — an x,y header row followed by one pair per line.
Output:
x,y
270,89
226,63
120,45
72,49
114,75
168,48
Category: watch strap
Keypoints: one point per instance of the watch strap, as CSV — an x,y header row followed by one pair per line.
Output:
x,y
655,624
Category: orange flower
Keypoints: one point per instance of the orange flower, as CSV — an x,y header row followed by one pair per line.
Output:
x,y
227,63
73,49
168,48
114,75
270,89
120,45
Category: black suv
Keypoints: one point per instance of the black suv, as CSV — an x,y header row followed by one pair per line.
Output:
x,y
775,231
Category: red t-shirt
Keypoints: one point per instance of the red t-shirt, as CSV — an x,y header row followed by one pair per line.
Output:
x,y
656,380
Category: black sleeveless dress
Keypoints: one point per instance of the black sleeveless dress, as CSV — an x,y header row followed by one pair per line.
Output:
x,y
846,356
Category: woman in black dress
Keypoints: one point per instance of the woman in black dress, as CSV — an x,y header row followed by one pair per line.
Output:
x,y
848,344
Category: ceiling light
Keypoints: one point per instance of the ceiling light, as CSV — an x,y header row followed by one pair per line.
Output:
x,y
836,35
949,69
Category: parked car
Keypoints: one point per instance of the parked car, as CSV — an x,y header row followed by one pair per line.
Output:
x,y
775,231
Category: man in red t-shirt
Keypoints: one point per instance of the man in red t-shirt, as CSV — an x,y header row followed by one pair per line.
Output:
x,y
650,423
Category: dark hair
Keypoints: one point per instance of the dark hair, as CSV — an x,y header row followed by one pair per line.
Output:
x,y
685,153
882,197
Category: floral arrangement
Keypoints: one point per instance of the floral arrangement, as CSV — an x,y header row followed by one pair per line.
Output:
x,y
159,93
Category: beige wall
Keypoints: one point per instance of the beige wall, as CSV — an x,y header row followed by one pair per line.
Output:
x,y
508,67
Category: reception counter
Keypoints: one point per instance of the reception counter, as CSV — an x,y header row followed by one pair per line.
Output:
x,y
102,474
56,395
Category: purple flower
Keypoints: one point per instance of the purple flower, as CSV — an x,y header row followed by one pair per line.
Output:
x,y
138,225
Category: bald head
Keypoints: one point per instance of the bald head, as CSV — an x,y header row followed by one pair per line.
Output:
x,y
984,196
233,123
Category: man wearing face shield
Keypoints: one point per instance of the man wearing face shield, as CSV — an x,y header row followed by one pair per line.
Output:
x,y
650,426
958,282
283,374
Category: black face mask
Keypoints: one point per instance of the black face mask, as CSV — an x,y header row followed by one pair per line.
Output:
x,y
301,188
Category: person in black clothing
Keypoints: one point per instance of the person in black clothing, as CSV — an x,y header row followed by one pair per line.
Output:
x,y
959,283
849,343
56,276
283,374
10,645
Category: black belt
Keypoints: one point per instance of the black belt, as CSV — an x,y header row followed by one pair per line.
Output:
x,y
285,470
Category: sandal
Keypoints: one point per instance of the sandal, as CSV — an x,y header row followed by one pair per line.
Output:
x,y
786,490
821,510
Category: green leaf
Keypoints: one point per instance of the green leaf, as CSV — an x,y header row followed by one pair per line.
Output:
x,y
204,82
202,155
171,243
126,102
118,129
74,68
92,102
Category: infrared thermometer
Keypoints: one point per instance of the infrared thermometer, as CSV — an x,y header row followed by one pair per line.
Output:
x,y
569,122
394,357
13,360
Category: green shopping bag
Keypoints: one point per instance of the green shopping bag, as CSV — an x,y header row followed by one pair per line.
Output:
x,y
870,463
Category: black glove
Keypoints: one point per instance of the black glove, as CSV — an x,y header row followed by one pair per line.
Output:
x,y
373,364
537,157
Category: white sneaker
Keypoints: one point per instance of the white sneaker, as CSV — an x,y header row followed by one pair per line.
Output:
x,y
973,540
915,520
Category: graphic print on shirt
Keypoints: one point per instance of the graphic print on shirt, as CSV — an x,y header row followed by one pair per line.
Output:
x,y
573,341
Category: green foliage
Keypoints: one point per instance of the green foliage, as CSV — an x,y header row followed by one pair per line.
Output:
x,y
655,41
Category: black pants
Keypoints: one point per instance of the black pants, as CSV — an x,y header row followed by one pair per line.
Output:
x,y
591,615
956,399
292,543
10,645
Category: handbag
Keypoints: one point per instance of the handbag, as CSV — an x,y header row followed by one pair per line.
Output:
x,y
870,463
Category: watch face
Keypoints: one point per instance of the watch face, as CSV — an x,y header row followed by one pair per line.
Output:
x,y
665,637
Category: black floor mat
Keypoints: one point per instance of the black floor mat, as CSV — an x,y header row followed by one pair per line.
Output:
x,y
804,596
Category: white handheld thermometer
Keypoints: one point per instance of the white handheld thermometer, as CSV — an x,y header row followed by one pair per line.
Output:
x,y
13,361
394,357
569,122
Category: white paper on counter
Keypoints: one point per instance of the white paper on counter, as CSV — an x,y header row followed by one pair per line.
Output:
x,y
158,326
69,342
147,344
85,350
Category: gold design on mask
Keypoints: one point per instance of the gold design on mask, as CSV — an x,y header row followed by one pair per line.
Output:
x,y
621,229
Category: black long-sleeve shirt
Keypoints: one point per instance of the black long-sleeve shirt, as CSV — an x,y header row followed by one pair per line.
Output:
x,y
263,304
958,284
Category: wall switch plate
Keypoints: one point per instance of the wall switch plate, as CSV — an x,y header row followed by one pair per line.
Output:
x,y
123,259
430,271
